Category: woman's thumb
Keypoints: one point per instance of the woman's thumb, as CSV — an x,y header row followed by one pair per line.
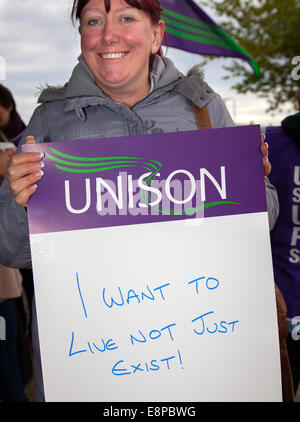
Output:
x,y
30,140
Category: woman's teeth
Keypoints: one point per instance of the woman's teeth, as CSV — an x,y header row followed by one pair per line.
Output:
x,y
113,55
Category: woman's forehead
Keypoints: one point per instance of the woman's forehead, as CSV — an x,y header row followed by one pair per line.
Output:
x,y
101,7
108,4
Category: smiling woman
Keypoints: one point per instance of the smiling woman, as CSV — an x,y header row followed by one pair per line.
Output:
x,y
117,41
122,86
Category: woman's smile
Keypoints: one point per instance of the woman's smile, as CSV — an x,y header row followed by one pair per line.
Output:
x,y
113,55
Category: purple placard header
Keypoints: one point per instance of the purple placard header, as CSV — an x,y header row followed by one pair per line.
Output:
x,y
146,179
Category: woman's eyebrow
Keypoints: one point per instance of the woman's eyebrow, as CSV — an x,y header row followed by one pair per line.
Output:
x,y
94,9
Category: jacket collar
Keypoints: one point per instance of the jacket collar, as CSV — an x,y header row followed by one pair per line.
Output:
x,y
82,89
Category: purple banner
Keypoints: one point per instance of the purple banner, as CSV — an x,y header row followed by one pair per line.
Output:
x,y
285,237
189,28
148,179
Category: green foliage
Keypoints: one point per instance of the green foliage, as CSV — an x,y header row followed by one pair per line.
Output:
x,y
269,30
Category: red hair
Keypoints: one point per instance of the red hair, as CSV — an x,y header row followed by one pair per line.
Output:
x,y
152,7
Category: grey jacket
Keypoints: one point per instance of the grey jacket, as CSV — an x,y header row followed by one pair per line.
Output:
x,y
80,110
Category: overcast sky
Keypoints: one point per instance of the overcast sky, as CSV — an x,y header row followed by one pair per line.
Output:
x,y
40,46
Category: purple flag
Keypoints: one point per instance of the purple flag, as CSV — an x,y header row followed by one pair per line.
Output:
x,y
189,28
285,237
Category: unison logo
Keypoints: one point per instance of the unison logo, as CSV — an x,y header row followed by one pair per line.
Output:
x,y
296,69
2,328
296,328
171,196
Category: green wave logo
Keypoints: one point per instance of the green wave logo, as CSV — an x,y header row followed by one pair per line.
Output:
x,y
202,32
88,165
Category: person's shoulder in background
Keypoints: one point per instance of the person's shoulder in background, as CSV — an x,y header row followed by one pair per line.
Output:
x,y
291,126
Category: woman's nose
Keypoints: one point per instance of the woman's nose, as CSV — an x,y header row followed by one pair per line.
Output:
x,y
109,34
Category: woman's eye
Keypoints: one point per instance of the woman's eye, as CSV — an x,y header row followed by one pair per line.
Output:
x,y
93,22
127,19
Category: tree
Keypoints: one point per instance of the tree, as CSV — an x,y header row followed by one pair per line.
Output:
x,y
269,30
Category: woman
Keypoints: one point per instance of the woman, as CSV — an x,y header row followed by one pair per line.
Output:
x,y
5,156
11,386
121,87
11,123
11,129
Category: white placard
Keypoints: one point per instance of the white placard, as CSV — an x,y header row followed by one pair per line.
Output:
x,y
196,326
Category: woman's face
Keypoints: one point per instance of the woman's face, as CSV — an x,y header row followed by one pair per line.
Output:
x,y
4,116
117,45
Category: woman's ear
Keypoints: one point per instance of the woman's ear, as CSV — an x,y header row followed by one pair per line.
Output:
x,y
159,30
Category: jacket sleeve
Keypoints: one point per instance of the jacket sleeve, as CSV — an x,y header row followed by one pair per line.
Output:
x,y
272,203
218,113
220,117
14,236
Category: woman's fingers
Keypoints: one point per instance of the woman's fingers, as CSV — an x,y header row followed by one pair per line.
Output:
x,y
24,171
5,156
23,197
265,152
30,140
10,151
24,164
23,183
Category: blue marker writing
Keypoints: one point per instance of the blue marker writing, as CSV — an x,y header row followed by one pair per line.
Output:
x,y
153,334
120,368
80,294
180,359
132,296
208,283
220,327
71,353
120,371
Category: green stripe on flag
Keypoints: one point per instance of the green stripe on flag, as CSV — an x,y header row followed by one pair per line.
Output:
x,y
211,34
195,38
191,21
207,34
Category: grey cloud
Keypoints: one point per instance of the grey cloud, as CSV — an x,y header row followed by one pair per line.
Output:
x,y
40,46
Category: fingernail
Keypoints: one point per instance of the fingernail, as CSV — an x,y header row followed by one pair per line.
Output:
x,y
42,164
40,173
266,143
42,154
33,188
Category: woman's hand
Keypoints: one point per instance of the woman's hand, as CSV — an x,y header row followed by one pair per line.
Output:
x,y
24,170
265,153
5,156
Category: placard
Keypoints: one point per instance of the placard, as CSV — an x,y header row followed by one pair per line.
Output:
x,y
152,269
